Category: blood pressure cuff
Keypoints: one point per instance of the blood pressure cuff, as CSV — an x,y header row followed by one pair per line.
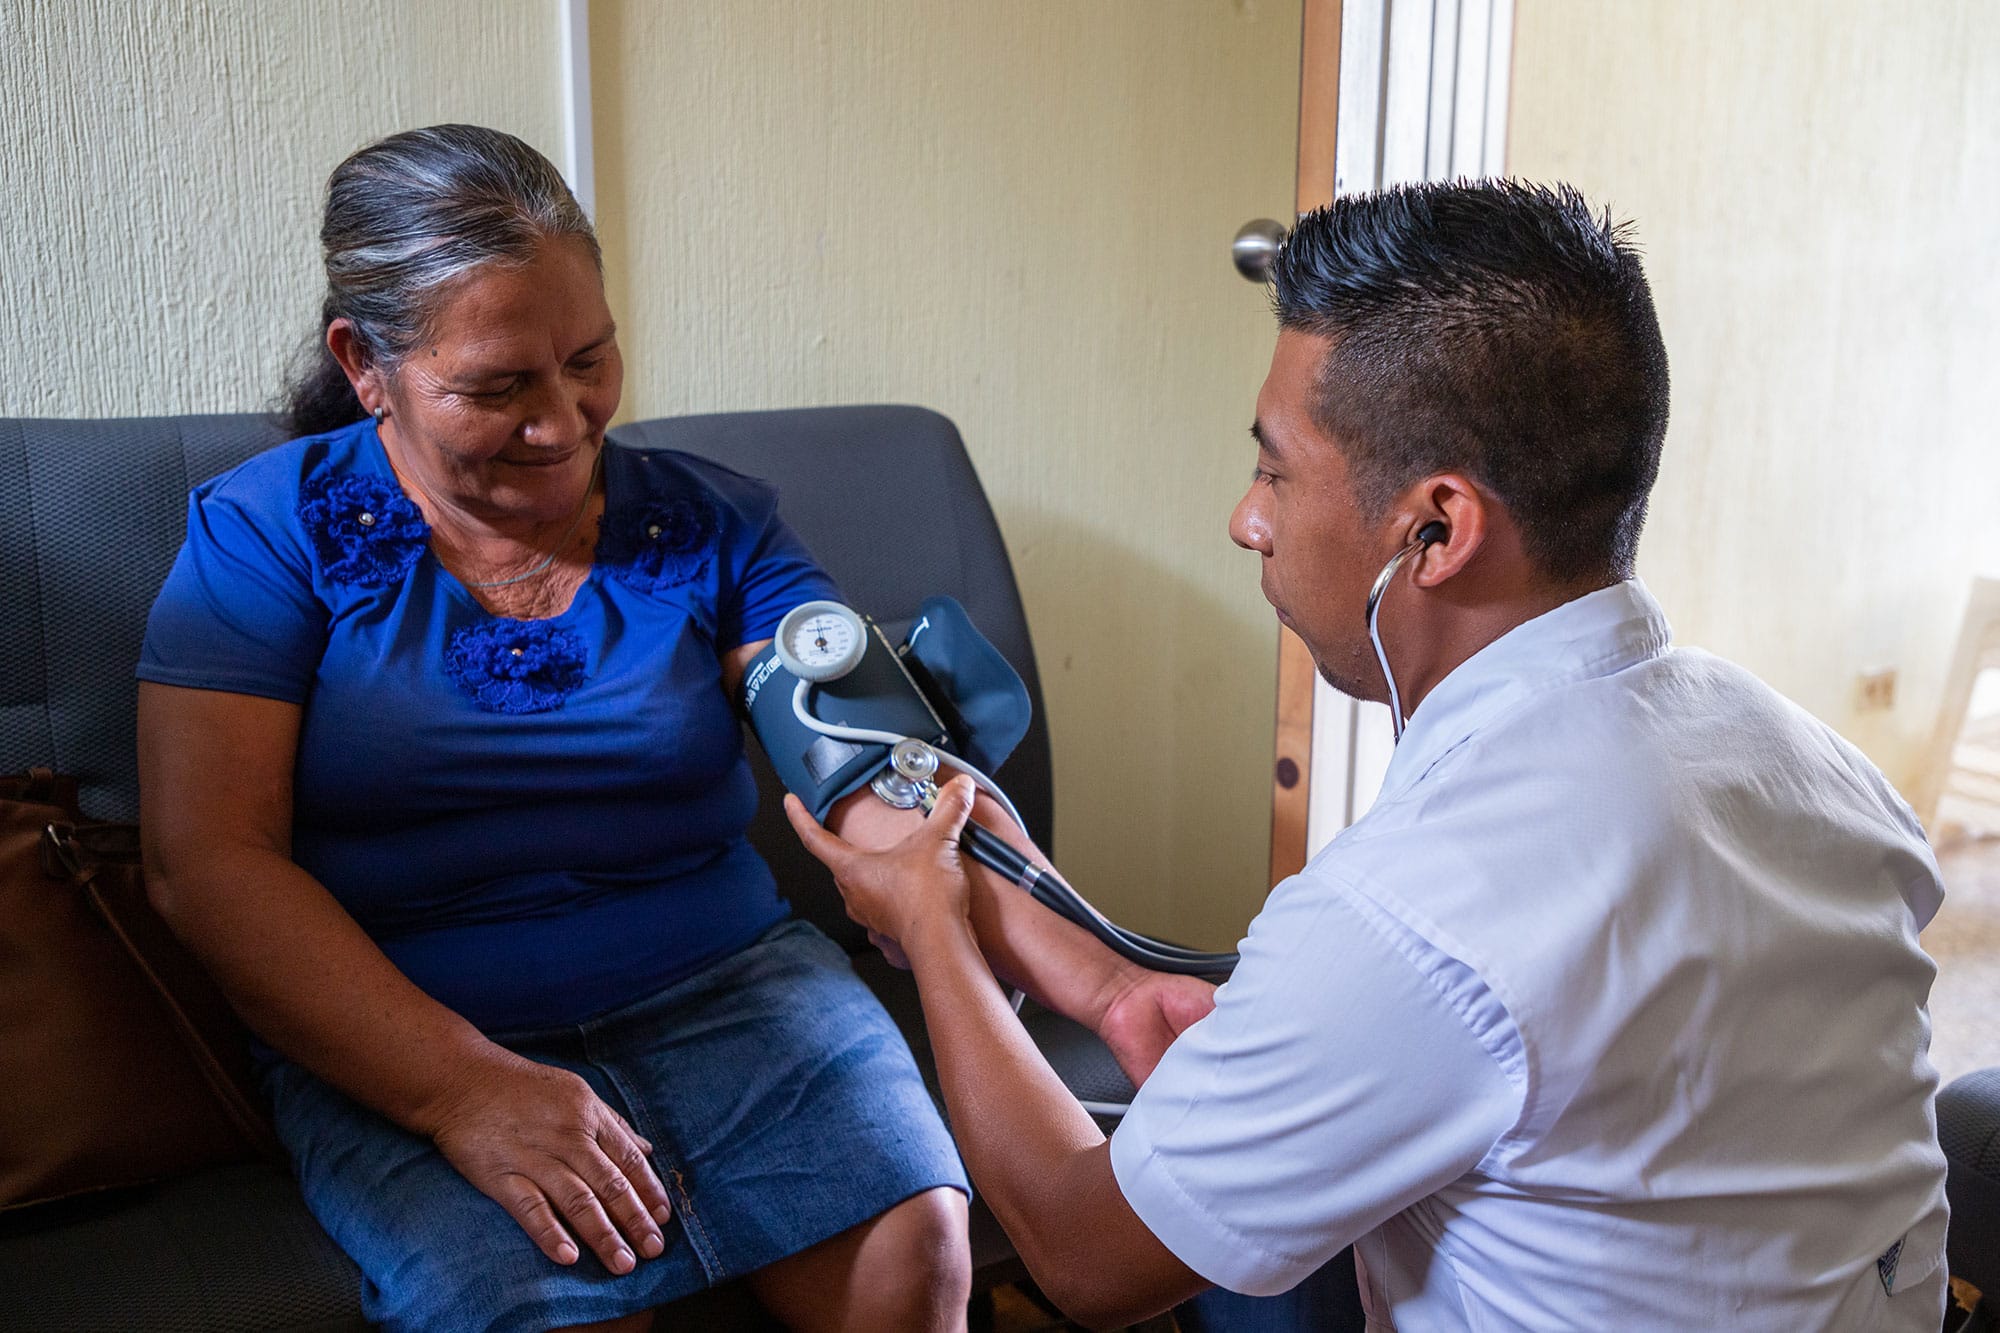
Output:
x,y
944,685
974,689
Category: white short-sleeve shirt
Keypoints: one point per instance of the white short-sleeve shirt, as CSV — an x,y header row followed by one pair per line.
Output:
x,y
1610,1013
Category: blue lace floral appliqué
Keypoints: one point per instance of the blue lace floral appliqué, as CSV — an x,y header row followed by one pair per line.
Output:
x,y
661,545
363,529
516,666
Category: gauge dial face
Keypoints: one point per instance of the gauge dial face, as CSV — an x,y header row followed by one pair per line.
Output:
x,y
821,641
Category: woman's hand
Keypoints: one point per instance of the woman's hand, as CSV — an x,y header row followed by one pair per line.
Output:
x,y
1146,1015
537,1141
896,891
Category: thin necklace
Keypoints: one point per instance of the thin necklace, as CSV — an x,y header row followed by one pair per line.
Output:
x,y
562,543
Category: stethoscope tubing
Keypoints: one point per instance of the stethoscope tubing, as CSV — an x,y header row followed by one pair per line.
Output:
x,y
891,739
1049,889
1041,882
1382,581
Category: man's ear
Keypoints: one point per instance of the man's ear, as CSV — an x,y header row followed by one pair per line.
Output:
x,y
360,368
1466,514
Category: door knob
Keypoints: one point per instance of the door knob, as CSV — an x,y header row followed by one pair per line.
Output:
x,y
1255,247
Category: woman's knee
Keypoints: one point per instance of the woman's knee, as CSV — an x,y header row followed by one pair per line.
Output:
x,y
930,1230
913,1268
909,1267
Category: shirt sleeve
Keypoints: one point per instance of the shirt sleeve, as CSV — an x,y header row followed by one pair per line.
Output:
x,y
767,571
238,611
1338,1081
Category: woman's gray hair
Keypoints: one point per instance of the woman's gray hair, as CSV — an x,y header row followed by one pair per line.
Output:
x,y
407,216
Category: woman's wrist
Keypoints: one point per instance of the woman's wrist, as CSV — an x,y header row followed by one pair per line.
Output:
x,y
452,1078
1121,977
938,934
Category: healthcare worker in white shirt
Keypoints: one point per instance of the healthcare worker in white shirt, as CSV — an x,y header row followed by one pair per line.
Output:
x,y
1610,1013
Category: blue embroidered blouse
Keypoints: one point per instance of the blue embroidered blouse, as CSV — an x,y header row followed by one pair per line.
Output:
x,y
536,820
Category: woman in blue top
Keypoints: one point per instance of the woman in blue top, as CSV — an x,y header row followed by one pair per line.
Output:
x,y
442,780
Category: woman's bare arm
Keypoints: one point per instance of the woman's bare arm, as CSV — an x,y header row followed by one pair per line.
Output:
x,y
215,772
216,789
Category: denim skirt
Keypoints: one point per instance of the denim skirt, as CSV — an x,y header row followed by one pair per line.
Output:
x,y
782,1104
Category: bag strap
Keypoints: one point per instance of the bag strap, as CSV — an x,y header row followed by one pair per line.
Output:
x,y
41,785
78,853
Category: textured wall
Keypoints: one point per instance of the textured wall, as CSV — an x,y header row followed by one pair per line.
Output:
x,y
1816,184
162,164
1018,214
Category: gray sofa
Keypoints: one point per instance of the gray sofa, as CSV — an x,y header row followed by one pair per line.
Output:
x,y
91,514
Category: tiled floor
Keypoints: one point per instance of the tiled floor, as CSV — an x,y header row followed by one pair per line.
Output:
x,y
1965,941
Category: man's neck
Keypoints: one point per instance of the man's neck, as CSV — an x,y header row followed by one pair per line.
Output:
x,y
1465,625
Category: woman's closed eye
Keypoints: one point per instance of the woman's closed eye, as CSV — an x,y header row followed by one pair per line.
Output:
x,y
490,392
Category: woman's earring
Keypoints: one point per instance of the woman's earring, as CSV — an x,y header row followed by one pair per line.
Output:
x,y
381,415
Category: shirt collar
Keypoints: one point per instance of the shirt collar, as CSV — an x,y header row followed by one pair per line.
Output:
x,y
1595,635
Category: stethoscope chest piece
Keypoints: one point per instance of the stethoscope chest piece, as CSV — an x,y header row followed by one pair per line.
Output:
x,y
914,760
910,780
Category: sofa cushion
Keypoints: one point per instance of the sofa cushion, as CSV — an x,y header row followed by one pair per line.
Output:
x,y
219,1251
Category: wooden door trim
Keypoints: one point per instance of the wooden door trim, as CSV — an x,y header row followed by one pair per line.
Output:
x,y
1291,773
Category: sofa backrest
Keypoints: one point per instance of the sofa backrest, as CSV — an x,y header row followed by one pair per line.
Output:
x,y
92,513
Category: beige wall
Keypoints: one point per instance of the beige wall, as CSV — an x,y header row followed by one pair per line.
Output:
x,y
1016,213
1816,184
161,167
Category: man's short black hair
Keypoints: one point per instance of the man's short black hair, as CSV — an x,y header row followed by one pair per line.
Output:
x,y
1492,328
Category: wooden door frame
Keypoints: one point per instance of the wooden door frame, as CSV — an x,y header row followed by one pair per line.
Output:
x,y
1319,118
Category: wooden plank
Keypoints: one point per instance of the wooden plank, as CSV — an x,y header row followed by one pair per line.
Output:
x,y
1978,650
1319,101
1291,775
1319,114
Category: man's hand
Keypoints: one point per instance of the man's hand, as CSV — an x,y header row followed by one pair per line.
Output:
x,y
919,880
892,950
537,1141
1147,1013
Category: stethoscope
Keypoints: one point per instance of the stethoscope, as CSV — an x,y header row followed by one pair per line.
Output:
x,y
1428,535
823,641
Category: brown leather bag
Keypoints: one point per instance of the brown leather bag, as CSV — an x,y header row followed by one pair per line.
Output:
x,y
119,1060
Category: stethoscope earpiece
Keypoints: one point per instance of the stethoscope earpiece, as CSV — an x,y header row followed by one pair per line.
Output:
x,y
1430,534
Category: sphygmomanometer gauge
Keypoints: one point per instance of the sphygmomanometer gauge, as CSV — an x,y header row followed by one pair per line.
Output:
x,y
821,641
